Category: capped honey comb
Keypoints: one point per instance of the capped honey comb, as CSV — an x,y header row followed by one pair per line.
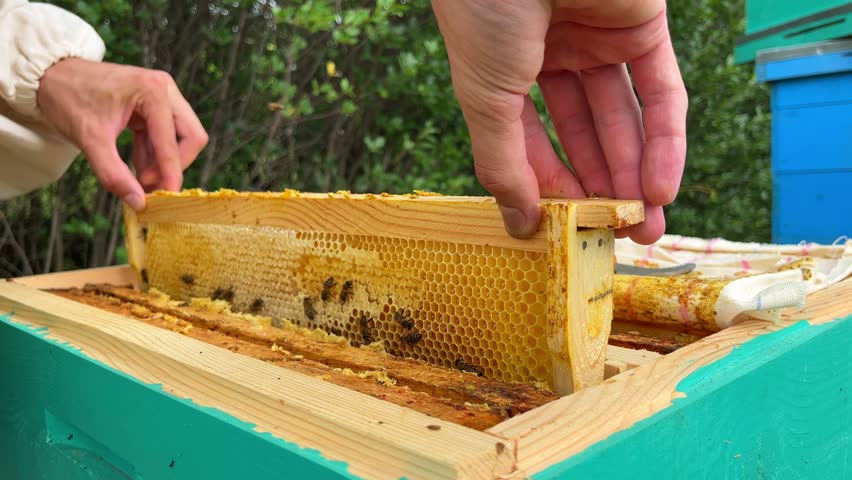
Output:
x,y
484,305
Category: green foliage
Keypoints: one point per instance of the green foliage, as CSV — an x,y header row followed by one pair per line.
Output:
x,y
727,185
325,95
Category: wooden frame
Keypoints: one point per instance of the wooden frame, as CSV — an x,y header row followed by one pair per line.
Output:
x,y
376,439
578,240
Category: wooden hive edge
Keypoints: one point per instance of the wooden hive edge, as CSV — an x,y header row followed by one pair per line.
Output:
x,y
291,406
561,429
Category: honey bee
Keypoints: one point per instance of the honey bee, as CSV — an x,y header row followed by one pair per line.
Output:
x,y
403,318
187,279
460,364
366,331
309,308
412,337
326,289
226,294
345,292
257,305
143,234
144,274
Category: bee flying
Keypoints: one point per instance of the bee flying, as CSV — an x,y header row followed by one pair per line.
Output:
x,y
460,364
403,318
326,289
345,292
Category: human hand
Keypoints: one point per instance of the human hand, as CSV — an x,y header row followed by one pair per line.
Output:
x,y
91,103
577,51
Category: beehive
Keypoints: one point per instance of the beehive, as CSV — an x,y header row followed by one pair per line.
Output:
x,y
433,278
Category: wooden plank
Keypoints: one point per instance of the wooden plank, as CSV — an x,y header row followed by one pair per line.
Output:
x,y
579,299
377,439
620,359
114,275
471,220
136,240
563,428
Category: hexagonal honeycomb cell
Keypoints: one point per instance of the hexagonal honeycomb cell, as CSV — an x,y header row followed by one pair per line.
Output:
x,y
481,304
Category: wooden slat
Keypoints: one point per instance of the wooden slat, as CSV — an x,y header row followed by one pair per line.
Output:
x,y
377,439
563,428
579,299
115,275
472,220
620,359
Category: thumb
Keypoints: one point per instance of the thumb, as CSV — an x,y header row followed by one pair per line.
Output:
x,y
113,173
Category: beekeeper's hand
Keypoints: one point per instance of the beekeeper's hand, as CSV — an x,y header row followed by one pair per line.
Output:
x,y
91,103
578,52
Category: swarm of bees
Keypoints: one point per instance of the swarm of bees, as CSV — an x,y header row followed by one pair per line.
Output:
x,y
187,278
463,366
226,294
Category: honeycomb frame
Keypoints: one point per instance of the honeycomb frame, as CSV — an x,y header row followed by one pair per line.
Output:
x,y
525,311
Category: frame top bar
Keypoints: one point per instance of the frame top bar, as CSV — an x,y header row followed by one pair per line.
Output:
x,y
418,216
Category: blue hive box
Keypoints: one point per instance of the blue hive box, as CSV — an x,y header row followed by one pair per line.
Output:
x,y
811,91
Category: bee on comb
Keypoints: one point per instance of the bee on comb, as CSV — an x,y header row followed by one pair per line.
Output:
x,y
460,364
346,291
403,317
412,337
308,304
226,294
366,332
187,278
257,305
326,289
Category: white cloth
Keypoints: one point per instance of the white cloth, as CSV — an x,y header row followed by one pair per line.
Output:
x,y
34,36
764,278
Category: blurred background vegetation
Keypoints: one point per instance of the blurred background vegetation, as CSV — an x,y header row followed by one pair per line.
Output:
x,y
322,95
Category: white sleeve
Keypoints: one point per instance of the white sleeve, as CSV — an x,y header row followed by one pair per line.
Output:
x,y
34,36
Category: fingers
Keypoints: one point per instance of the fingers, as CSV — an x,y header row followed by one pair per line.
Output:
x,y
500,159
143,158
191,134
572,118
112,172
648,231
155,109
553,177
618,123
665,103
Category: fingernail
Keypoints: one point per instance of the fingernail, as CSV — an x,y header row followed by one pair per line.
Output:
x,y
518,223
135,201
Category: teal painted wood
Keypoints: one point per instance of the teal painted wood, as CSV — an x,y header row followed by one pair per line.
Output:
x,y
778,407
65,416
764,14
838,26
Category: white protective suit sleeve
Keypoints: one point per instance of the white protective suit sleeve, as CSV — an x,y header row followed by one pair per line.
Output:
x,y
34,36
